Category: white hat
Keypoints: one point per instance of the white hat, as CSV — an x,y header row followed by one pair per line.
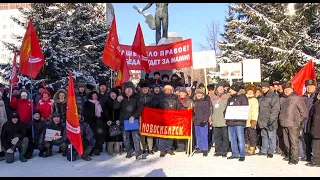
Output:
x,y
24,94
168,87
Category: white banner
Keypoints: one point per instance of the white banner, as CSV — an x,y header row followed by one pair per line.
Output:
x,y
230,70
237,112
204,59
251,70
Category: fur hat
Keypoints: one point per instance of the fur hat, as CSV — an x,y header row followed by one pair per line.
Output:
x,y
81,84
183,89
144,83
36,111
188,89
103,82
15,115
235,87
156,86
286,85
210,87
128,84
310,82
225,84
24,94
250,87
199,91
168,87
165,76
115,90
91,87
174,75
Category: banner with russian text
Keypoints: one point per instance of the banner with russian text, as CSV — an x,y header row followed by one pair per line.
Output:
x,y
174,124
163,57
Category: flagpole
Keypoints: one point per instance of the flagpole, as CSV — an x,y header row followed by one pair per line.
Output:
x,y
71,151
111,78
32,127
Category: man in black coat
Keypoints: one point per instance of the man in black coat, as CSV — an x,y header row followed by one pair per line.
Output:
x,y
13,135
39,132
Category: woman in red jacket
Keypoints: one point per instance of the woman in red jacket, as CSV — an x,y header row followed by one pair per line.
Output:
x,y
22,105
45,105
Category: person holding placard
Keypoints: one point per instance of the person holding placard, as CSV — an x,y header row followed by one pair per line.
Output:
x,y
236,126
130,110
269,107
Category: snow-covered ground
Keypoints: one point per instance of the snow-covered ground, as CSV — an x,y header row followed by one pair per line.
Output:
x,y
154,166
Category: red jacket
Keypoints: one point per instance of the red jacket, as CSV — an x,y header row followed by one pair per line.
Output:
x,y
45,107
23,108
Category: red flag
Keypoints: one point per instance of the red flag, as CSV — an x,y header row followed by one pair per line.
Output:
x,y
139,47
123,74
298,81
73,125
31,58
14,75
112,51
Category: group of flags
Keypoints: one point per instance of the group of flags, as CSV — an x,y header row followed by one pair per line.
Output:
x,y
115,59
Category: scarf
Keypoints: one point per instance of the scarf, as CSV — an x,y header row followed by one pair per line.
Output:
x,y
98,108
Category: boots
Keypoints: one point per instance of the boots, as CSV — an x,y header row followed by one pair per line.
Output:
x,y
110,148
22,152
247,149
47,152
252,150
117,148
85,155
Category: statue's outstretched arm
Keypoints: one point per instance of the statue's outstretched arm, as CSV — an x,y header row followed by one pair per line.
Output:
x,y
147,7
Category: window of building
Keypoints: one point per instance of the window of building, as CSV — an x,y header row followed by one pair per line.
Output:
x,y
4,26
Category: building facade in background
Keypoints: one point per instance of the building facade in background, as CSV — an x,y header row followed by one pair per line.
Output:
x,y
8,28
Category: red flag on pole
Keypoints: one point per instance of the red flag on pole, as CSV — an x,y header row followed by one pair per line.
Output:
x,y
139,47
14,75
31,57
73,125
112,52
123,74
298,81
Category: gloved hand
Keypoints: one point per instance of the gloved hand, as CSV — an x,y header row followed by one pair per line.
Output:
x,y
118,122
253,124
14,141
9,151
119,98
56,138
203,123
131,120
109,123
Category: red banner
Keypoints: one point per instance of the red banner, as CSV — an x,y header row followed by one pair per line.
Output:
x,y
174,124
163,57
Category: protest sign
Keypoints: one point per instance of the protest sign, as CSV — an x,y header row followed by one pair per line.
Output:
x,y
237,112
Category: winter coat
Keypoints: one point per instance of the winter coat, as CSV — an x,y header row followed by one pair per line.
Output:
x,y
58,127
201,111
3,118
168,101
110,113
6,101
309,101
39,130
90,116
22,106
129,106
45,107
176,83
103,98
145,99
237,100
80,99
10,131
269,108
293,111
313,125
86,131
153,81
60,107
186,102
253,110
36,98
219,104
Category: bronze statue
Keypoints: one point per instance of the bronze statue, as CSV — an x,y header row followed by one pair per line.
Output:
x,y
160,18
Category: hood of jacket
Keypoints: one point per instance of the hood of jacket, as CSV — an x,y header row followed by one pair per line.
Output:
x,y
56,95
24,90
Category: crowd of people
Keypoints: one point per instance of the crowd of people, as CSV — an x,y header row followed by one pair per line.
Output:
x,y
279,120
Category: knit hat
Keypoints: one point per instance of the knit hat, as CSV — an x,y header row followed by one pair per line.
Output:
x,y
286,85
36,111
210,87
15,115
265,84
168,87
199,91
183,89
156,86
24,94
55,114
115,90
102,82
310,82
81,84
177,88
235,87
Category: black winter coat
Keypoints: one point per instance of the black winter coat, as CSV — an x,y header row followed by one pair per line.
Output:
x,y
237,100
313,124
269,108
39,130
168,101
81,98
61,108
201,111
103,98
10,131
91,118
129,106
146,99
110,113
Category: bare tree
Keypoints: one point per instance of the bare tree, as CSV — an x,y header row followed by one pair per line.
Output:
x,y
213,32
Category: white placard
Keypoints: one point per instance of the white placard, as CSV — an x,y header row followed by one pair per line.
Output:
x,y
52,133
204,59
251,70
237,112
230,70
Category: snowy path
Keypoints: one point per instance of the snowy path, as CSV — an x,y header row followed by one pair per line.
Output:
x,y
178,165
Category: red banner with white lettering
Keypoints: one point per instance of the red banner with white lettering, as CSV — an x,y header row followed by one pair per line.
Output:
x,y
163,57
174,124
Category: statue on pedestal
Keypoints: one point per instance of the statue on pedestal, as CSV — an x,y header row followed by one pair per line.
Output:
x,y
160,19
